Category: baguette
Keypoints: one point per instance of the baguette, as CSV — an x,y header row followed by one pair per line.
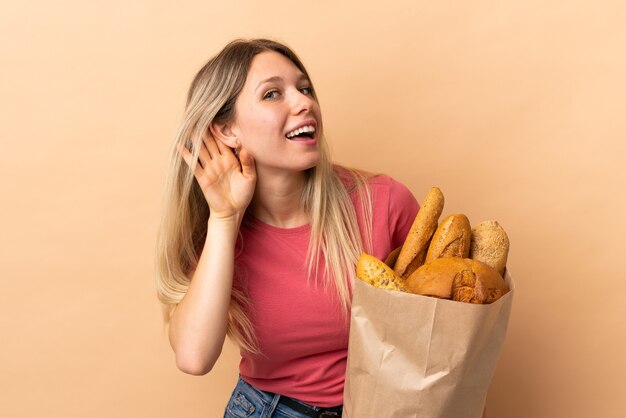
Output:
x,y
413,252
393,257
451,239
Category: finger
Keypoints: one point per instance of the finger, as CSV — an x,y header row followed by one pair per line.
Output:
x,y
247,163
209,141
203,155
222,147
184,152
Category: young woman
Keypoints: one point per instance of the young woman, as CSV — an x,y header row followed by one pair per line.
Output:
x,y
261,234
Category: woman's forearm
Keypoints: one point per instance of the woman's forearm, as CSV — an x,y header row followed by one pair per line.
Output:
x,y
199,322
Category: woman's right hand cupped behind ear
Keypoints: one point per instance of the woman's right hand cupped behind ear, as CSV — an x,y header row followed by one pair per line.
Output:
x,y
227,182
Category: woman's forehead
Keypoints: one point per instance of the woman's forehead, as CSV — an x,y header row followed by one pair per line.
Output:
x,y
270,66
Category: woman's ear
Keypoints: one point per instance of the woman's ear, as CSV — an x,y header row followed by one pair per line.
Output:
x,y
222,131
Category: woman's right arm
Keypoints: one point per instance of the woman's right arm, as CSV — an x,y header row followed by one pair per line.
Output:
x,y
198,323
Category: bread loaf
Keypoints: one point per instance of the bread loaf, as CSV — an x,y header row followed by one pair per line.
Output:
x,y
373,271
490,244
459,279
451,239
415,246
393,257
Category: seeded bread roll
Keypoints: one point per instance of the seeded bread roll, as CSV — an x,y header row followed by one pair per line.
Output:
x,y
415,246
451,239
459,279
490,244
373,271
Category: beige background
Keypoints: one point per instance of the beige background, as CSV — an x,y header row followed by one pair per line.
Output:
x,y
515,109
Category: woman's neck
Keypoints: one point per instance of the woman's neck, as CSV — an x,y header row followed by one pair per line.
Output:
x,y
277,199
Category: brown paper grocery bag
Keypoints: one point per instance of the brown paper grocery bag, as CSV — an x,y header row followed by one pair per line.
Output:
x,y
413,356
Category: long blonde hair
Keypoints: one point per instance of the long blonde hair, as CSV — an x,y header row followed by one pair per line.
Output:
x,y
335,233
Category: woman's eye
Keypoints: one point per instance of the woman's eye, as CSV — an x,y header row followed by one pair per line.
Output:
x,y
306,91
271,95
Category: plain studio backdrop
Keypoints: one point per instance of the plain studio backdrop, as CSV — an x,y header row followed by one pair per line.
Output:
x,y
515,109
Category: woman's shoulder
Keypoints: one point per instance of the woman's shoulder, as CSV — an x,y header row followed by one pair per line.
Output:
x,y
388,194
352,177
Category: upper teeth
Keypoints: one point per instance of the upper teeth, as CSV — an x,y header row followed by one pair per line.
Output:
x,y
298,131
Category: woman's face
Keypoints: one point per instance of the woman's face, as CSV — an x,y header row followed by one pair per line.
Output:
x,y
276,117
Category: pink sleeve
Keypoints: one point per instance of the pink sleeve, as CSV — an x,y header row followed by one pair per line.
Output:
x,y
402,210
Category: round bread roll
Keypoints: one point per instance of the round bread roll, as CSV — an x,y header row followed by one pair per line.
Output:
x,y
459,279
452,238
490,244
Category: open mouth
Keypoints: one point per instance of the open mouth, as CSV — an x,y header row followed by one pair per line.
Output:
x,y
305,132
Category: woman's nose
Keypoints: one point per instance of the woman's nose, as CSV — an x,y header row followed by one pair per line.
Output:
x,y
301,102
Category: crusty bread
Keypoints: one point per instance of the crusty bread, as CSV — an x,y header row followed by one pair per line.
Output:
x,y
451,239
415,246
460,279
373,271
393,257
490,244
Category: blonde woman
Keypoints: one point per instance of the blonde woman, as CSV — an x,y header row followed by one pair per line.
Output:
x,y
261,234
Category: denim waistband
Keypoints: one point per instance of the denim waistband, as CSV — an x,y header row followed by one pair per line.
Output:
x,y
249,401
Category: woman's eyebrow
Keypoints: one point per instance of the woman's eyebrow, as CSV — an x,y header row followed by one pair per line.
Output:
x,y
276,78
270,80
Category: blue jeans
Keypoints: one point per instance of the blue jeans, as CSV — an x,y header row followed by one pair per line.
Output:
x,y
250,402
